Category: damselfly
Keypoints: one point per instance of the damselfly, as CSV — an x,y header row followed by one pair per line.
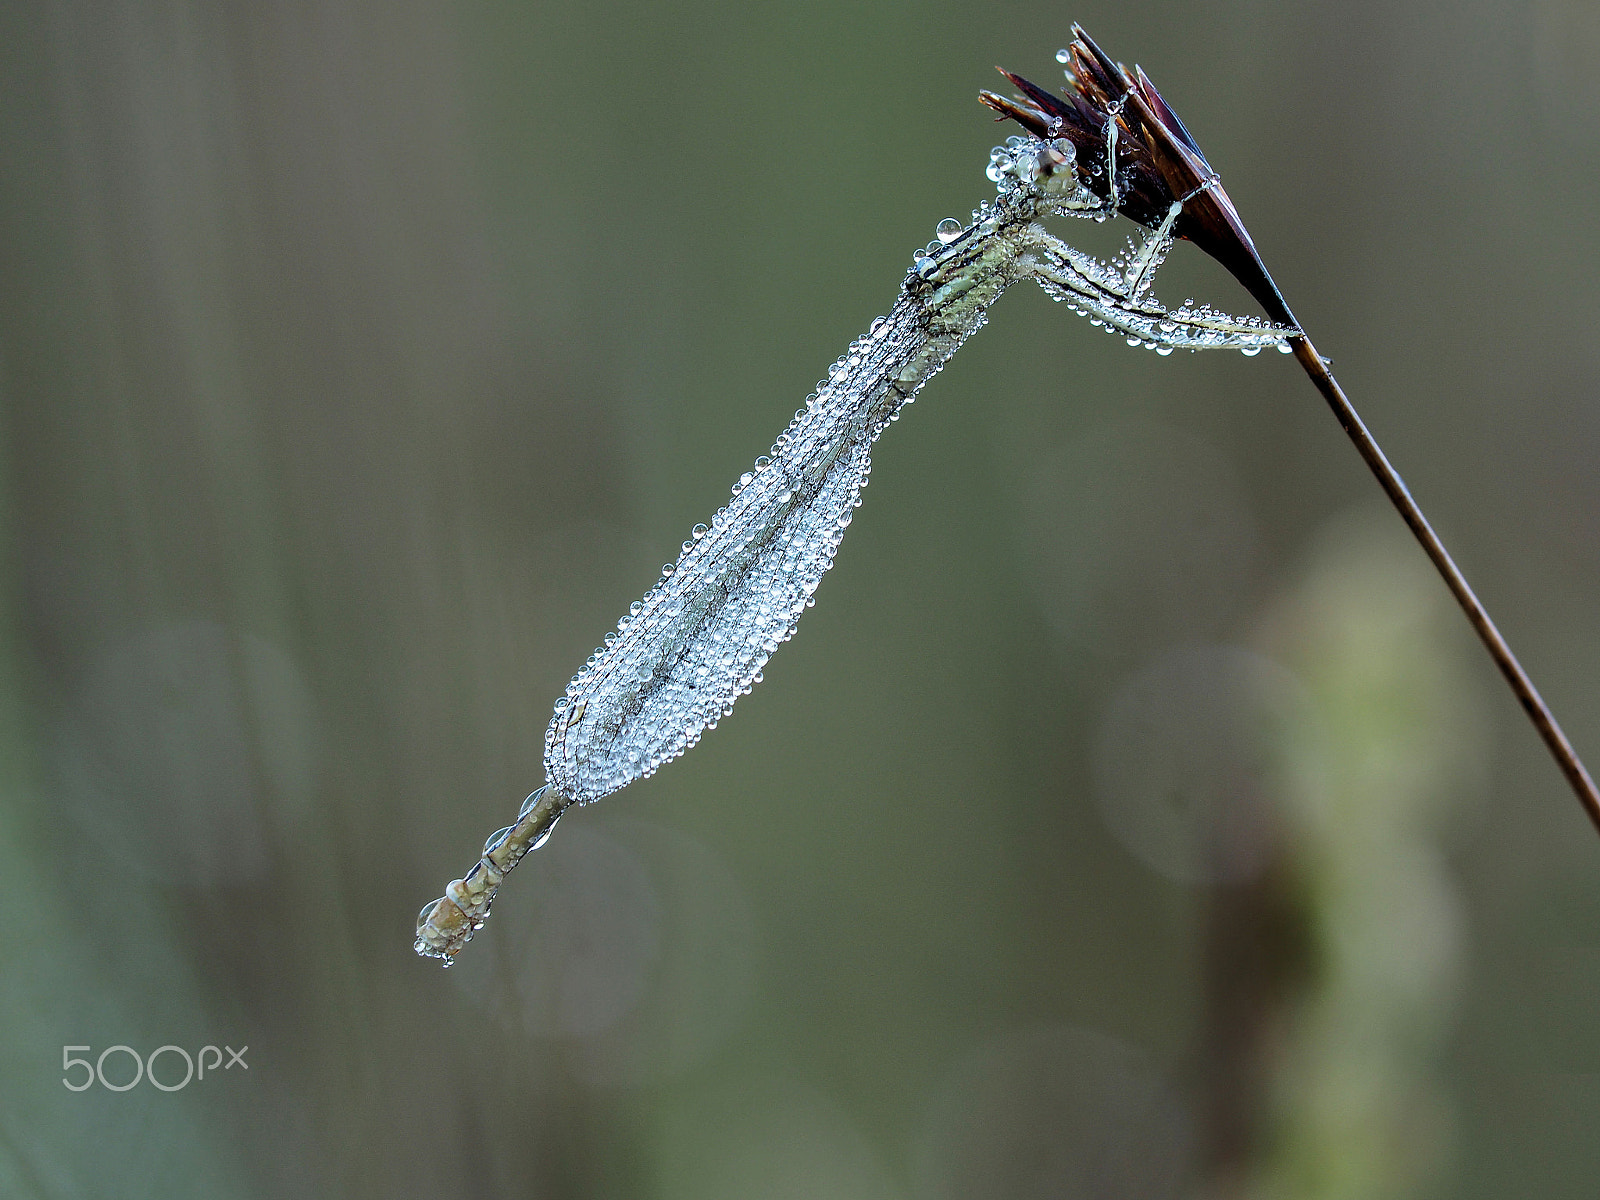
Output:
x,y
699,639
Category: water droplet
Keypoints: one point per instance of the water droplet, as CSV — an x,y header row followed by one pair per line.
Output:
x,y
925,267
495,839
699,531
880,326
1284,348
1249,351
948,230
1063,56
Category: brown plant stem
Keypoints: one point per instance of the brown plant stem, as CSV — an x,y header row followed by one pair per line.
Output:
x,y
1163,164
1400,496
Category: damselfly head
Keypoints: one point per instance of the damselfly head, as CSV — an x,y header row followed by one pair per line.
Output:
x,y
1156,161
1047,167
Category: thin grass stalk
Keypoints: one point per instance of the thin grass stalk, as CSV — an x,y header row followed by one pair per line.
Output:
x,y
1482,623
1148,160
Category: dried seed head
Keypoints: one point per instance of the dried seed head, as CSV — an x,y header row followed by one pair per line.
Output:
x,y
1157,163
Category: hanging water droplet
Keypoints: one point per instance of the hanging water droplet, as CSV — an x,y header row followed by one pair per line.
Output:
x,y
1063,56
1285,348
495,839
1249,351
948,230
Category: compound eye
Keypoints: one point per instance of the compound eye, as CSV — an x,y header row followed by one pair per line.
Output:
x,y
1056,173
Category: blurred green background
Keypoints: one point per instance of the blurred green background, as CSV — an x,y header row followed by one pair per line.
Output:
x,y
1133,816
